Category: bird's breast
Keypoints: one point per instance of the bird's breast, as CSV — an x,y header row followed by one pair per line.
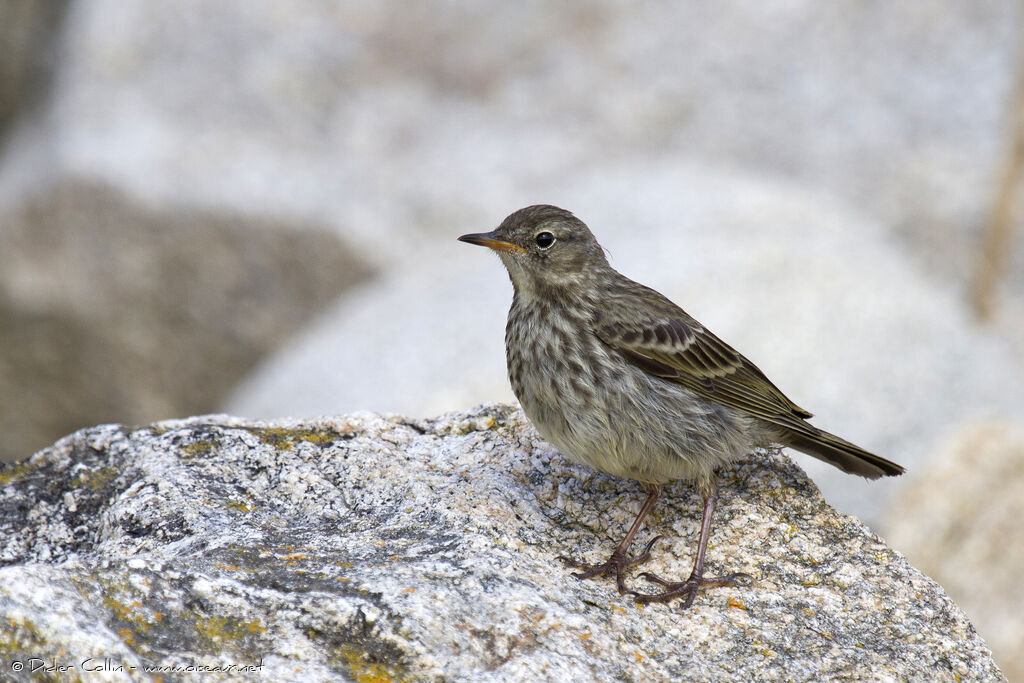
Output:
x,y
601,410
565,380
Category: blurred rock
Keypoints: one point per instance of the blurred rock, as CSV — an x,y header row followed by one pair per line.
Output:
x,y
28,37
381,548
112,308
882,354
401,119
959,521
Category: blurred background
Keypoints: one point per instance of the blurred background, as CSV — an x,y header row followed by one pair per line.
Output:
x,y
251,206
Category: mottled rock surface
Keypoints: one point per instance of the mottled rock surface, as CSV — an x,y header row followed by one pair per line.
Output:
x,y
378,547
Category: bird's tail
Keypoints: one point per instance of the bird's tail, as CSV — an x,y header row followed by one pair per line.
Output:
x,y
840,453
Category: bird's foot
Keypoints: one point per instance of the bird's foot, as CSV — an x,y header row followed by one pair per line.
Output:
x,y
687,590
617,564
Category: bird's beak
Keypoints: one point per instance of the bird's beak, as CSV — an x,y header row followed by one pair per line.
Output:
x,y
490,239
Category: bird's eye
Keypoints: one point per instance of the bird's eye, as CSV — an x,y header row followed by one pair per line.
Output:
x,y
544,240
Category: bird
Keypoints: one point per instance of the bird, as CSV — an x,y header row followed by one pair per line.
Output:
x,y
618,377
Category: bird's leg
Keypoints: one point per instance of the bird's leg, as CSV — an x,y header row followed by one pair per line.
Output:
x,y
619,562
688,589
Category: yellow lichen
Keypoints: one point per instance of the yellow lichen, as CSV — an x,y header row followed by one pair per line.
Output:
x,y
228,567
218,630
11,472
96,479
285,438
198,449
134,615
364,671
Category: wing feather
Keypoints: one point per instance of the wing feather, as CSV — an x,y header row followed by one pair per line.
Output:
x,y
672,345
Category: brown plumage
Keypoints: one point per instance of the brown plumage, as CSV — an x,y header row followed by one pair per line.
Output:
x,y
617,376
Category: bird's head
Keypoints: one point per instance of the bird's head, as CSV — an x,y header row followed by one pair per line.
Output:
x,y
544,247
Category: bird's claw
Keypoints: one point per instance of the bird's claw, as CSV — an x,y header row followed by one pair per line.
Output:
x,y
687,590
617,564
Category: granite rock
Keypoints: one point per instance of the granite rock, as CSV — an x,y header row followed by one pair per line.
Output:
x,y
366,546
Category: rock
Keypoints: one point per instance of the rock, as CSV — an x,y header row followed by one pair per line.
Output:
x,y
378,547
112,308
422,116
959,522
28,32
393,124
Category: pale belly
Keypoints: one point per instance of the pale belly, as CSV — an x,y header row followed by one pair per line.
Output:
x,y
620,420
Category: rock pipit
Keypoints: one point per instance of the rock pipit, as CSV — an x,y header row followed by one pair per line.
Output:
x,y
617,376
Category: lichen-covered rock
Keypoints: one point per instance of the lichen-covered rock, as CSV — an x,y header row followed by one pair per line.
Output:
x,y
375,548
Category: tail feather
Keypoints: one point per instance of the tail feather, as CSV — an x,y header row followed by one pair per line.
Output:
x,y
841,453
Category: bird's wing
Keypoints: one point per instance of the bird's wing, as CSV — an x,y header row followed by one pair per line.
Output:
x,y
668,343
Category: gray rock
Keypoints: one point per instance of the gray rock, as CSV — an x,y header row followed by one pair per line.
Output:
x,y
107,301
392,123
28,32
366,547
421,116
